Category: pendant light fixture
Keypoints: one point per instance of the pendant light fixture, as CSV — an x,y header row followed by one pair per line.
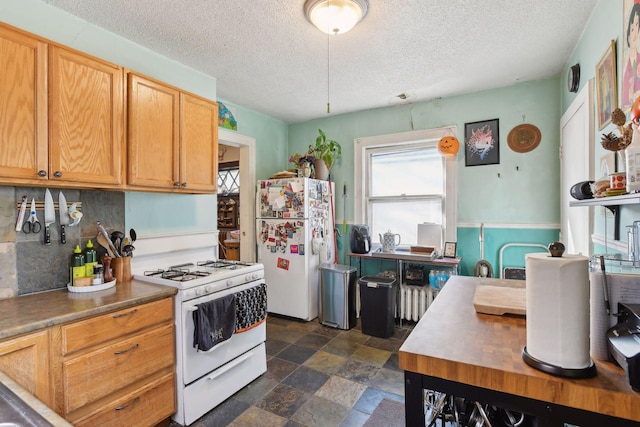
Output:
x,y
334,17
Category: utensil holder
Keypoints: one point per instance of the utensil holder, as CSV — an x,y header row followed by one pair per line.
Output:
x,y
121,269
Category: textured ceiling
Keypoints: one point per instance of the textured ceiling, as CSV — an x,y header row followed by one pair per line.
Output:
x,y
267,57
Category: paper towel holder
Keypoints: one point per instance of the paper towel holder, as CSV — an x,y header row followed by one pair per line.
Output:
x,y
556,249
578,373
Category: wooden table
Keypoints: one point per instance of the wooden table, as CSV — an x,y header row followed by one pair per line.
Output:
x,y
457,351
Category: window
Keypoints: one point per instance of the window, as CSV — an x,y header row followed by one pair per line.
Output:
x,y
229,178
402,180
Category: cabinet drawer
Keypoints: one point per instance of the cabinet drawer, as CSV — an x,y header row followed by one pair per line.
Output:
x,y
145,406
96,374
86,333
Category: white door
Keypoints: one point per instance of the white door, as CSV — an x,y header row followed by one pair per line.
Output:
x,y
576,165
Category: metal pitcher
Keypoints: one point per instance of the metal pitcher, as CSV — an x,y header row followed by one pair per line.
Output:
x,y
388,241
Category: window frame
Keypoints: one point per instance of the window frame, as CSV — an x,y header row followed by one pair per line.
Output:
x,y
426,137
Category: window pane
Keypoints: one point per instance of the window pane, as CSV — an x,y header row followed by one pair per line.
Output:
x,y
229,181
403,217
412,172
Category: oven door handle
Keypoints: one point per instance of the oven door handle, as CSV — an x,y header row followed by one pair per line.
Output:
x,y
192,308
230,366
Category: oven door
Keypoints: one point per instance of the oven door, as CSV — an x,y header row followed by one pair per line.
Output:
x,y
198,363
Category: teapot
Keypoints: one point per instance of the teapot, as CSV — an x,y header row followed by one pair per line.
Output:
x,y
388,241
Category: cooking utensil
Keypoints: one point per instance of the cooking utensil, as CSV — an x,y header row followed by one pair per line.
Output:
x,y
32,225
23,207
108,241
105,243
127,250
133,235
64,216
49,216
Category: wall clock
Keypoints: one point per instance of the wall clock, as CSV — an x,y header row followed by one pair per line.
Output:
x,y
573,80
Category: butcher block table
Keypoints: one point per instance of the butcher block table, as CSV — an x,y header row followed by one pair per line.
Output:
x,y
455,350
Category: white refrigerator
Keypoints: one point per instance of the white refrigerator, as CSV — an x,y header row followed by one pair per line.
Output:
x,y
294,229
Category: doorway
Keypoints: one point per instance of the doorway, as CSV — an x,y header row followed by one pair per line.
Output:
x,y
246,152
576,165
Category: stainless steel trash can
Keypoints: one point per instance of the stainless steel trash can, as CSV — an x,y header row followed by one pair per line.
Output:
x,y
337,299
378,305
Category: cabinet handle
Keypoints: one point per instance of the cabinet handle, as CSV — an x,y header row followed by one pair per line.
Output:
x,y
57,174
127,350
176,184
42,173
133,402
184,184
132,312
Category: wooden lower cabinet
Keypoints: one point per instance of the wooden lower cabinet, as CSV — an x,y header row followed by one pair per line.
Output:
x,y
145,406
122,373
25,360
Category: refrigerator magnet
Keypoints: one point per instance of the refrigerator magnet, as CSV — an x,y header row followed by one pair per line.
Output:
x,y
294,249
301,249
283,263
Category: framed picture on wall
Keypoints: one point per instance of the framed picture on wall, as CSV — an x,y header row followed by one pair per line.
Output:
x,y
481,143
606,85
630,40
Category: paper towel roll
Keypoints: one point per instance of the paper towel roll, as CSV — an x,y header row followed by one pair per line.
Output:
x,y
558,309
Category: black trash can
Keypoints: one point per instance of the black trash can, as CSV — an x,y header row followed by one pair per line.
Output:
x,y
377,305
337,299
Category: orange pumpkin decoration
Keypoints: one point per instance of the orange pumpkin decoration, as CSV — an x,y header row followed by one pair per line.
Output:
x,y
634,115
449,146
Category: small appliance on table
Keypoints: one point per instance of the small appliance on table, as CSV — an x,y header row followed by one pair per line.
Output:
x,y
190,263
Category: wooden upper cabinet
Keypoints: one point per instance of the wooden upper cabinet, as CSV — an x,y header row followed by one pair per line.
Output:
x,y
23,106
86,119
153,138
172,138
199,144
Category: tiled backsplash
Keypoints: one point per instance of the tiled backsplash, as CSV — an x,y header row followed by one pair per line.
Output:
x,y
26,264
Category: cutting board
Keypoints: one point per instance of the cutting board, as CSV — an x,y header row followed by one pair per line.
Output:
x,y
500,300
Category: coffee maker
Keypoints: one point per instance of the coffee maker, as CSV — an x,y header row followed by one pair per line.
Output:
x,y
360,239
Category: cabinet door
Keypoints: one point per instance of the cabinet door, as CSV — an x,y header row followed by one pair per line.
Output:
x,y
198,144
153,134
23,106
26,360
86,119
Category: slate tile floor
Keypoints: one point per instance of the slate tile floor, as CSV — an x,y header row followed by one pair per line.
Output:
x,y
320,376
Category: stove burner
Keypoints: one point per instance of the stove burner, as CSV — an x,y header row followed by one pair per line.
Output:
x,y
177,274
229,265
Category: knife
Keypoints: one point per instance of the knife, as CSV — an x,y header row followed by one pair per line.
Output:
x,y
49,216
64,216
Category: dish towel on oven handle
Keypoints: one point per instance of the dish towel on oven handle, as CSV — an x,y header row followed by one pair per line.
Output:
x,y
214,322
251,307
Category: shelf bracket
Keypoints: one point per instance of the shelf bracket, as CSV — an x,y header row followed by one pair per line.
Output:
x,y
615,210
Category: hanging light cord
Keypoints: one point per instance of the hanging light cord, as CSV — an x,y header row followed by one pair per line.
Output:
x,y
328,84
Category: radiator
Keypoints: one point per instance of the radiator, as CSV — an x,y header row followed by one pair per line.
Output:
x,y
413,301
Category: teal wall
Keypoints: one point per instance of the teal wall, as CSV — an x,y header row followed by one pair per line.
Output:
x,y
518,200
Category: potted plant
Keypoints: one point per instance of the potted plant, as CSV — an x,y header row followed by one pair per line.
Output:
x,y
326,152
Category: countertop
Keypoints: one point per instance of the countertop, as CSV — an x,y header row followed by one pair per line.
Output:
x,y
28,313
455,343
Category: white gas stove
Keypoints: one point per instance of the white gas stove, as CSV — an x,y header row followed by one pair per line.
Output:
x,y
204,379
